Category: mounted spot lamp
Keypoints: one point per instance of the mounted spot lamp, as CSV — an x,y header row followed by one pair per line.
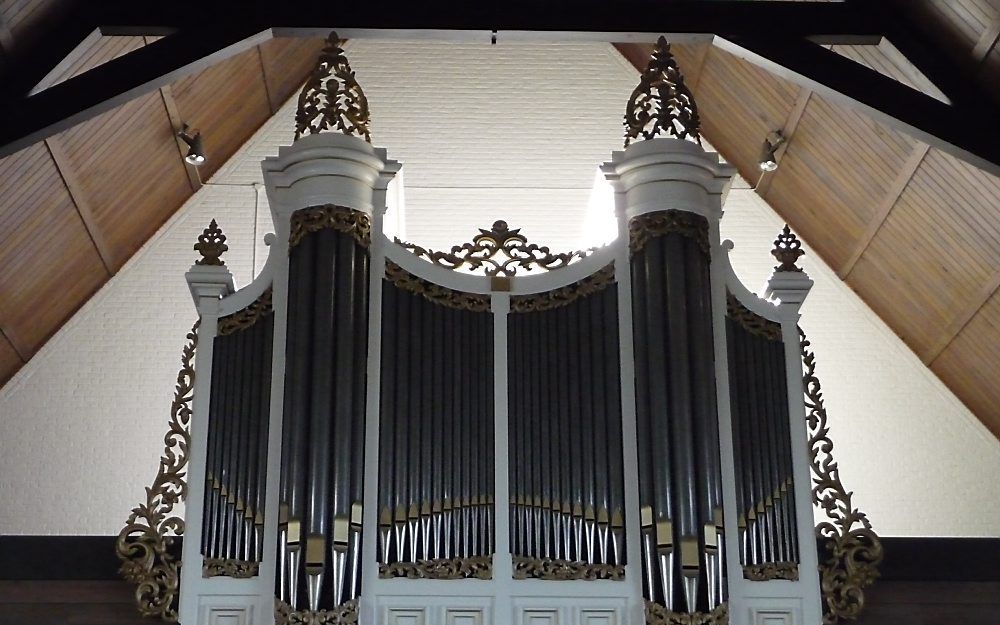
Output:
x,y
196,149
768,161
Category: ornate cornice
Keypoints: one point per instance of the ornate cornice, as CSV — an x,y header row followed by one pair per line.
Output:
x,y
656,614
547,568
243,319
144,543
498,251
568,294
340,218
771,570
476,567
227,567
331,97
751,321
644,227
346,614
661,103
435,293
211,245
853,549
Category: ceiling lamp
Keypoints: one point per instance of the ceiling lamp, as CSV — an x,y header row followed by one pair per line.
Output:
x,y
196,149
768,161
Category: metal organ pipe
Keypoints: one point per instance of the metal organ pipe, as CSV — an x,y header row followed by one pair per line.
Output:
x,y
680,484
322,455
437,487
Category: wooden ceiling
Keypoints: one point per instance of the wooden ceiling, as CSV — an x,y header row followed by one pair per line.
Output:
x,y
915,232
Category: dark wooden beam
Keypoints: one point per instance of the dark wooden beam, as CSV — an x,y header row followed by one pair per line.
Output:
x,y
39,116
967,131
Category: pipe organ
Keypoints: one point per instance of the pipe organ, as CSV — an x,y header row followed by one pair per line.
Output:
x,y
498,433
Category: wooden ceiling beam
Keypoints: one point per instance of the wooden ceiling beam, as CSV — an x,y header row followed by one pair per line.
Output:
x,y
884,207
986,291
226,27
967,132
788,132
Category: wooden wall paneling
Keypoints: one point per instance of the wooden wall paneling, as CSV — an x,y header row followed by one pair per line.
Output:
x,y
130,173
740,104
970,363
286,62
888,61
10,360
227,103
48,264
939,245
833,175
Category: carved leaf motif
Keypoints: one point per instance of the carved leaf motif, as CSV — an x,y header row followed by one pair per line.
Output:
x,y
649,225
225,567
438,294
332,97
661,103
853,549
477,567
245,318
548,300
656,614
340,218
346,614
498,251
547,568
143,545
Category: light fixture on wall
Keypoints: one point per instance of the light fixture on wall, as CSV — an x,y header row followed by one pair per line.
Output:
x,y
768,161
196,149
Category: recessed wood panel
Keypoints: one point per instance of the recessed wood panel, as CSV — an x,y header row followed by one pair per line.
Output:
x,y
835,172
970,365
10,362
49,264
130,171
927,265
740,104
227,103
287,61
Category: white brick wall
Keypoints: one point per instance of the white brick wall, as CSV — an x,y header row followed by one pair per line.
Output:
x,y
81,425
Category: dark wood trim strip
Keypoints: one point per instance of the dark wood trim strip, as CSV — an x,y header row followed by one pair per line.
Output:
x,y
76,193
892,194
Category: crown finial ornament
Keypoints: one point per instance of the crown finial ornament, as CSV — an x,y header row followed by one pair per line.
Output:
x,y
787,249
211,245
332,97
661,103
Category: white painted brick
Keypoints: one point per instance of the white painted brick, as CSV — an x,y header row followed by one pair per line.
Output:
x,y
512,132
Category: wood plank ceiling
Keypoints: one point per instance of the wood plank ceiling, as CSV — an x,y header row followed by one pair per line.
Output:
x,y
913,231
76,207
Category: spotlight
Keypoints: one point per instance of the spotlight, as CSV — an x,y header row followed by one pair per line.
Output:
x,y
196,149
768,161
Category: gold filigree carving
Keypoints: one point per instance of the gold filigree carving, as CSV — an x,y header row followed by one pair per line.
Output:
x,y
562,570
243,319
644,227
346,614
656,614
568,294
435,293
661,103
771,570
227,567
476,567
340,218
498,251
332,97
143,545
787,249
853,549
211,245
751,321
